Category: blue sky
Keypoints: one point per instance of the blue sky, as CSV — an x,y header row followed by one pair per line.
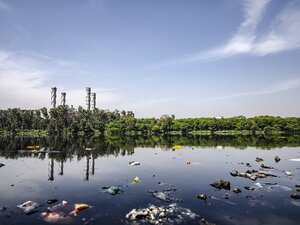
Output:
x,y
189,58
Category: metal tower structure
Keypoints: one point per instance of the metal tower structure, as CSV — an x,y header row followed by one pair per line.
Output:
x,y
88,98
53,97
63,98
93,101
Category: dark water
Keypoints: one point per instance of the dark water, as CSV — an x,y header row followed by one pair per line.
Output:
x,y
77,175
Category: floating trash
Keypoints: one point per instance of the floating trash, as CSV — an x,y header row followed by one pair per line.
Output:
x,y
134,163
236,190
171,214
234,173
249,188
265,166
177,147
136,179
258,159
56,217
29,207
258,185
162,196
113,190
295,160
295,196
226,196
79,207
288,173
58,207
202,197
221,184
277,159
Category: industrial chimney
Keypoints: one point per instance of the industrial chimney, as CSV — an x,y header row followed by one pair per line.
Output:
x,y
63,98
93,101
88,98
53,97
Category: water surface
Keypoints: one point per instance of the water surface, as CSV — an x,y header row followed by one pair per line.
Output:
x,y
77,175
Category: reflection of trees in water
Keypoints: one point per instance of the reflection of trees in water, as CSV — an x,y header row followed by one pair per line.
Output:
x,y
240,141
69,147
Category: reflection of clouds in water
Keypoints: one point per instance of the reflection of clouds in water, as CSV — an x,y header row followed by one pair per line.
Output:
x,y
294,202
259,218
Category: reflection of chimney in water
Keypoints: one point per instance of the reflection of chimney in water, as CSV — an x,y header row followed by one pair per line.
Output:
x,y
93,165
87,168
61,172
51,169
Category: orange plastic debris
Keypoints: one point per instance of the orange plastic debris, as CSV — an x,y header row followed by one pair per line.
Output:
x,y
79,207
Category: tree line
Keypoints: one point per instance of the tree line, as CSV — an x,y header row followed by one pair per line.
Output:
x,y
66,120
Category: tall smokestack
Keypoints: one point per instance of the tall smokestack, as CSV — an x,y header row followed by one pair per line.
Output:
x,y
88,98
93,101
53,97
63,98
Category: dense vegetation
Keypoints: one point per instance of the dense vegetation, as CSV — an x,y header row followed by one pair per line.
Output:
x,y
65,120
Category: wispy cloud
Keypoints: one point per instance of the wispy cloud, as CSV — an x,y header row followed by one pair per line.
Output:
x,y
25,82
4,6
276,88
282,34
244,39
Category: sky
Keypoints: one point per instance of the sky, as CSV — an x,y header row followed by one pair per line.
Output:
x,y
195,58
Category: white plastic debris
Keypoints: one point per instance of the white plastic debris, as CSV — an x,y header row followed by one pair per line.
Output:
x,y
134,163
171,214
29,207
295,160
288,173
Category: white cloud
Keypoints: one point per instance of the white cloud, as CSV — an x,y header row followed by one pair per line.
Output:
x,y
24,83
276,88
282,34
4,6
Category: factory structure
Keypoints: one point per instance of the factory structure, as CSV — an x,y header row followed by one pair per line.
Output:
x,y
90,98
90,105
